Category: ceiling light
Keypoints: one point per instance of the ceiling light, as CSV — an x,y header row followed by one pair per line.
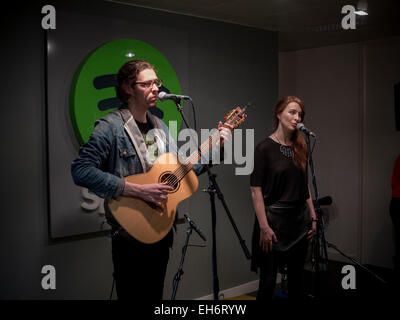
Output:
x,y
361,13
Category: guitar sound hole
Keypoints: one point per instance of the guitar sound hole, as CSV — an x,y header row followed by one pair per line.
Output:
x,y
171,179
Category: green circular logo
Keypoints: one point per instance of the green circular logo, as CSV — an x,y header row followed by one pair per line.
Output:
x,y
93,95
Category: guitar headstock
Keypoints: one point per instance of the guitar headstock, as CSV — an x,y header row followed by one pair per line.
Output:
x,y
236,116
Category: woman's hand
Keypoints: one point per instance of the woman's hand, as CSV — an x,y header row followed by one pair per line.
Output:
x,y
312,231
267,236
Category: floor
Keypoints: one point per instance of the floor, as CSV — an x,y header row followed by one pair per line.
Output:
x,y
327,285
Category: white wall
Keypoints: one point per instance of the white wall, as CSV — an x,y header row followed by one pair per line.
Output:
x,y
348,93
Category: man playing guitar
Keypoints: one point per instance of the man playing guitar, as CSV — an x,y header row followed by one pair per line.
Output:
x,y
117,149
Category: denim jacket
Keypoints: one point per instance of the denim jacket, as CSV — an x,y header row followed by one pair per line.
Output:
x,y
109,156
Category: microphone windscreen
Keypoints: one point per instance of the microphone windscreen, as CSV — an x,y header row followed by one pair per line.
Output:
x,y
161,95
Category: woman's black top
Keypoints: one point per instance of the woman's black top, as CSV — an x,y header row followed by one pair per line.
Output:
x,y
279,178
285,189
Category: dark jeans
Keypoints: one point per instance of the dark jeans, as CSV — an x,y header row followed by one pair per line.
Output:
x,y
294,258
139,269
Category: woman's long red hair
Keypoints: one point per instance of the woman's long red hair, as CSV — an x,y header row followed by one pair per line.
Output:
x,y
298,144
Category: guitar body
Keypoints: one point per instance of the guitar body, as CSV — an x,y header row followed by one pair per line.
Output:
x,y
149,223
143,220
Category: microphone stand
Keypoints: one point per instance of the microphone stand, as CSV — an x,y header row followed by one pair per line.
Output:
x,y
178,275
319,256
214,188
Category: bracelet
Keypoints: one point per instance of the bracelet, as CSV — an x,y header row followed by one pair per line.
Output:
x,y
314,220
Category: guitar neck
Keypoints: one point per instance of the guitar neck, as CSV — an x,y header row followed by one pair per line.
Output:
x,y
207,145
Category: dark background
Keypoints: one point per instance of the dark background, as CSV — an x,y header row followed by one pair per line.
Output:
x,y
346,84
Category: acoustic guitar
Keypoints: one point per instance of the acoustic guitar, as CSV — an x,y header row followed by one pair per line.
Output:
x,y
148,222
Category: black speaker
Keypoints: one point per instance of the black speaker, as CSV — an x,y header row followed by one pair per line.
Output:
x,y
397,105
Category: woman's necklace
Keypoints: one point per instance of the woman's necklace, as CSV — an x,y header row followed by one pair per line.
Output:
x,y
285,150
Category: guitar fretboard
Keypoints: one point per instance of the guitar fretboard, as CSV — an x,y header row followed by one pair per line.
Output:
x,y
195,157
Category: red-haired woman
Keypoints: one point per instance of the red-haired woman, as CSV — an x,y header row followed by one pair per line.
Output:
x,y
280,193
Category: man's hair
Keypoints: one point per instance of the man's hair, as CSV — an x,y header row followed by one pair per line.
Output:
x,y
127,75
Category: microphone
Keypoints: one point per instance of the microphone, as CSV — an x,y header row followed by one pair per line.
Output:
x,y
300,126
324,201
193,225
169,96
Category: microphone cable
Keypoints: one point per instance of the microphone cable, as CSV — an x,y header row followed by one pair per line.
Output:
x,y
194,114
112,289
195,123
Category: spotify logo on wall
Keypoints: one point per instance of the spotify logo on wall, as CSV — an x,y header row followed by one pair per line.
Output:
x,y
93,95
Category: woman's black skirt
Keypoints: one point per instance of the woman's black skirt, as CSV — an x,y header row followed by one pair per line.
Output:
x,y
289,220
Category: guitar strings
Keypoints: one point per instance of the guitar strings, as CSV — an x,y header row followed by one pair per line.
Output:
x,y
182,170
185,168
179,173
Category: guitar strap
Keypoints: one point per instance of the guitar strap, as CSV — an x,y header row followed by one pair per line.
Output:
x,y
138,140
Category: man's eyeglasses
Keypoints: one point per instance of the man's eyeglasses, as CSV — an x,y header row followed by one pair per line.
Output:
x,y
149,84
